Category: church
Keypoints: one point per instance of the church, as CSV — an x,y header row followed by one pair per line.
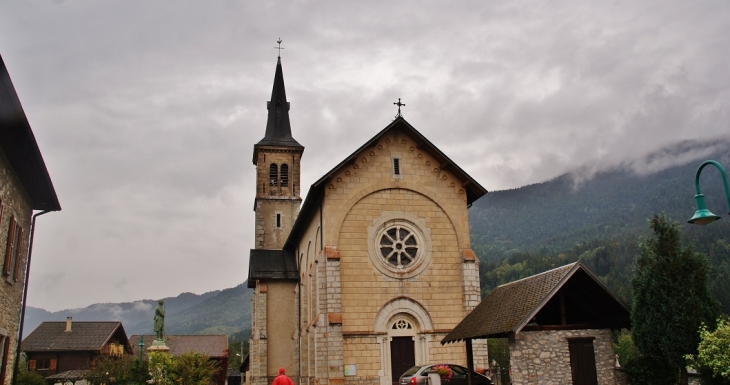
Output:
x,y
366,276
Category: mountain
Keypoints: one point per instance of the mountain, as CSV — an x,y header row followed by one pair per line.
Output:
x,y
222,311
601,219
598,217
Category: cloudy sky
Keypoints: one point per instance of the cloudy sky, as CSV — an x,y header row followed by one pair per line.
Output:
x,y
147,111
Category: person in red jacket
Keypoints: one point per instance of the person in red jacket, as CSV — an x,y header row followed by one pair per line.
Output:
x,y
282,378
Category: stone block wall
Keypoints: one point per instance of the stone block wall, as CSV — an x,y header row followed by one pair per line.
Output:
x,y
15,204
543,358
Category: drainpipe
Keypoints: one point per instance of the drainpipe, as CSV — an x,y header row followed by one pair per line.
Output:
x,y
25,295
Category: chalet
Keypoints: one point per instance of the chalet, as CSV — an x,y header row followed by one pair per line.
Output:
x,y
24,186
57,348
213,346
558,324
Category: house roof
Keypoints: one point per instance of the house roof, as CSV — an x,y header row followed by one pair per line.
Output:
x,y
473,189
19,145
278,127
76,374
212,345
84,336
271,265
511,307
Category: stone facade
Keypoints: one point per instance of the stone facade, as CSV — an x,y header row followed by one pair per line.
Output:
x,y
543,358
14,205
351,301
382,251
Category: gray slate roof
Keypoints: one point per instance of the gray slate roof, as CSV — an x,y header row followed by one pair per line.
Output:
x,y
473,189
278,127
272,265
71,375
510,307
84,336
214,346
20,147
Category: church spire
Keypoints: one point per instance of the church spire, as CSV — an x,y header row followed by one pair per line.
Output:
x,y
278,128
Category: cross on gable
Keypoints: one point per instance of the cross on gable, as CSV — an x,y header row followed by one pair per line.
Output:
x,y
399,104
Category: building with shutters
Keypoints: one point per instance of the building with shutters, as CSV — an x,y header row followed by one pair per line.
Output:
x,y
364,277
65,350
24,186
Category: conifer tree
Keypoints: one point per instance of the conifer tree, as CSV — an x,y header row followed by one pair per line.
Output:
x,y
670,298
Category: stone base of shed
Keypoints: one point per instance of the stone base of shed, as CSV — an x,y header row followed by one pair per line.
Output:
x,y
543,357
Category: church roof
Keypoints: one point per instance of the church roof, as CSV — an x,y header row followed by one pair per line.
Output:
x,y
278,127
544,301
20,147
271,265
473,189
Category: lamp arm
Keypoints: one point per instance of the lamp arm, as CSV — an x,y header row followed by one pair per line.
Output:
x,y
722,174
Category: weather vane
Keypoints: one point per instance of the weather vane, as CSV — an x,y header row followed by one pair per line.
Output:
x,y
279,47
399,104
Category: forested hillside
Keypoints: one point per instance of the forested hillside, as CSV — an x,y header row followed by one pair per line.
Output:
x,y
520,232
222,311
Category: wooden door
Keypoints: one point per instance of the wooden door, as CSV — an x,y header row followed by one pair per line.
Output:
x,y
582,361
402,356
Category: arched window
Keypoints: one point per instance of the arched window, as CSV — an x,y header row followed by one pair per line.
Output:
x,y
284,175
273,177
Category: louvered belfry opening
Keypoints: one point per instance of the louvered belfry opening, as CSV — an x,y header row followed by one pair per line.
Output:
x,y
273,175
284,175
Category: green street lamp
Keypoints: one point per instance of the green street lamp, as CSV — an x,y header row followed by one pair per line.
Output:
x,y
703,216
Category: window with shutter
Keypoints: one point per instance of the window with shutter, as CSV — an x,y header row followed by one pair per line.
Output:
x,y
273,177
4,347
53,364
11,268
31,364
284,174
9,250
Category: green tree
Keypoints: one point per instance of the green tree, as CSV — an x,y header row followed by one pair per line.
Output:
x,y
194,369
713,351
161,365
27,377
670,298
118,371
185,369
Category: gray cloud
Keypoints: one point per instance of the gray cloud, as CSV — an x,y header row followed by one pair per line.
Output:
x,y
147,112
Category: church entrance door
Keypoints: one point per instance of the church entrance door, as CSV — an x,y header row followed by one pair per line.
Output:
x,y
402,356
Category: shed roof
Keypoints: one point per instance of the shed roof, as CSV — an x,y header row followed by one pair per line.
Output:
x,y
272,265
19,145
511,307
84,336
212,345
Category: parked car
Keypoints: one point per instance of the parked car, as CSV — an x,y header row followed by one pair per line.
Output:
x,y
418,375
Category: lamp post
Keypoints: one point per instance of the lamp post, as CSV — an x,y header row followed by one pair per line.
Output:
x,y
703,216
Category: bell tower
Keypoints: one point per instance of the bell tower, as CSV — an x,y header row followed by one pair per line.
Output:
x,y
277,158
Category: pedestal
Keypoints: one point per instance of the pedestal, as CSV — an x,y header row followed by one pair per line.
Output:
x,y
158,346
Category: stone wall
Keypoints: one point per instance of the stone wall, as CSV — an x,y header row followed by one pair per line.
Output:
x,y
15,204
542,357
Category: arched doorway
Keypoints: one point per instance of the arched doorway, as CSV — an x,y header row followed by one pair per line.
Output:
x,y
402,336
403,344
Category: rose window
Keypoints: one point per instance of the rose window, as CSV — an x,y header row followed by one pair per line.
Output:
x,y
399,246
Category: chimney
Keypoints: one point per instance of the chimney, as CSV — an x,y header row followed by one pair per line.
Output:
x,y
68,324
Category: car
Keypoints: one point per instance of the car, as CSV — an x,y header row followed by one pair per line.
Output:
x,y
418,375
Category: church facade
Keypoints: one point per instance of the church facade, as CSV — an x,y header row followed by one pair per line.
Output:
x,y
363,278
